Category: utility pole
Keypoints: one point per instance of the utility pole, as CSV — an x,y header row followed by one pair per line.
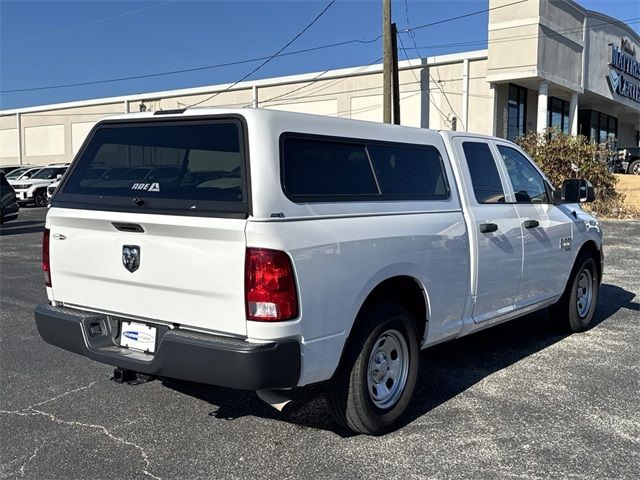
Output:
x,y
396,82
387,61
390,84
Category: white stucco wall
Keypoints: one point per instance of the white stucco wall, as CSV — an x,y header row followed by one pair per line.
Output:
x,y
8,143
79,132
45,140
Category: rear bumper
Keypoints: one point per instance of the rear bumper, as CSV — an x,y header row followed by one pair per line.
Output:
x,y
180,354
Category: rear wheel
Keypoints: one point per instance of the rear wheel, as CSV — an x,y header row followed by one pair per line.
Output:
x,y
634,167
376,379
40,198
578,303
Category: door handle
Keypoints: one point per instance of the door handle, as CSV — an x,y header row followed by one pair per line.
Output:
x,y
488,227
531,223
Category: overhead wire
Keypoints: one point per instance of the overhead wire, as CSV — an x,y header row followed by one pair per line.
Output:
x,y
93,22
522,37
194,69
239,62
316,48
315,80
442,114
439,81
309,25
459,17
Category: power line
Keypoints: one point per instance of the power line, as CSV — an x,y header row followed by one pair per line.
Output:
x,y
324,87
306,50
94,22
522,37
296,52
438,85
227,64
442,115
269,59
312,82
193,69
459,17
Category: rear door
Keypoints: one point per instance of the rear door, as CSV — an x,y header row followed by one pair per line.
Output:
x,y
162,237
496,233
547,230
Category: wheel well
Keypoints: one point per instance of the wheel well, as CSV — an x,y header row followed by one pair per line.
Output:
x,y
403,290
592,249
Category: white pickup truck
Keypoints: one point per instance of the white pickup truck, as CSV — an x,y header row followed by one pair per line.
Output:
x,y
267,250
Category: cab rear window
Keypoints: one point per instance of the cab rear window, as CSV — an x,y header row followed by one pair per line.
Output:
x,y
192,166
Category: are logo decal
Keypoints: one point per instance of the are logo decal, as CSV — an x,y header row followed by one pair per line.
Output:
x,y
149,187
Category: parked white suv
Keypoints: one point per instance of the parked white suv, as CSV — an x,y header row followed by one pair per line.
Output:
x,y
34,189
268,250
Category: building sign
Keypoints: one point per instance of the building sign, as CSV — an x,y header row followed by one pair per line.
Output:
x,y
624,72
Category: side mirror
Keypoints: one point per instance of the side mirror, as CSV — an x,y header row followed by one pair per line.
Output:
x,y
59,176
575,191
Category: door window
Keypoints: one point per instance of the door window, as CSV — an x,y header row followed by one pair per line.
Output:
x,y
528,184
485,178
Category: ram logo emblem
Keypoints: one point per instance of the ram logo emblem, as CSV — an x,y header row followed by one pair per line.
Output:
x,y
131,257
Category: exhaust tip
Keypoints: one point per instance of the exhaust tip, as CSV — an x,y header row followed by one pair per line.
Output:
x,y
275,398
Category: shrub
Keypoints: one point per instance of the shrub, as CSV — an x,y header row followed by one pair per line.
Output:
x,y
562,156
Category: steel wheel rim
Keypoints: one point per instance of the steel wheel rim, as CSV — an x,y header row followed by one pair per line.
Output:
x,y
388,369
584,292
636,169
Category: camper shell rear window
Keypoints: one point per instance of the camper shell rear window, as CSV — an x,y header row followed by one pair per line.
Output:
x,y
182,167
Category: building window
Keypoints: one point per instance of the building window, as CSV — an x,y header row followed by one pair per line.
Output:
x,y
558,114
599,127
516,112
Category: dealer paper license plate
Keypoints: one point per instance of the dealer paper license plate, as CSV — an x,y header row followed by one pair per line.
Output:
x,y
139,336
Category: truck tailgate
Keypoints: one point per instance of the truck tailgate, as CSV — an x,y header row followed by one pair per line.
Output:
x,y
191,269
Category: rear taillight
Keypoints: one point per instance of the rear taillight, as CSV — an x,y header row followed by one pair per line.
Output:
x,y
269,285
46,267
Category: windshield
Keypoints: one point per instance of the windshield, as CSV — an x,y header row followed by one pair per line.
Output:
x,y
47,173
177,165
22,173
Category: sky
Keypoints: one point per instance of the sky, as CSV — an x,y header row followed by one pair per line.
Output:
x,y
51,43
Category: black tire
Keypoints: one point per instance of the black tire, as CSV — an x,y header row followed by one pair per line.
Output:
x,y
348,394
40,198
634,167
571,307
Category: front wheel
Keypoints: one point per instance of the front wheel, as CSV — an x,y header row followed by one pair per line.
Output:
x,y
377,376
634,168
578,303
40,198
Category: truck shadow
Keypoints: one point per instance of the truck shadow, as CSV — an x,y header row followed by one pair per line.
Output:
x,y
448,369
20,227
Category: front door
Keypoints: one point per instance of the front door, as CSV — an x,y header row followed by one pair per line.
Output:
x,y
547,230
495,234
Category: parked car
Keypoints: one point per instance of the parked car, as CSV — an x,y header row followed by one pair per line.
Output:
x,y
285,250
51,189
22,173
34,190
6,169
8,205
630,160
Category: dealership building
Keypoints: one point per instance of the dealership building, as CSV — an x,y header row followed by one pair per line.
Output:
x,y
549,63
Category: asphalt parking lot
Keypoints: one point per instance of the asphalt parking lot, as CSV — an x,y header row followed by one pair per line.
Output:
x,y
522,400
